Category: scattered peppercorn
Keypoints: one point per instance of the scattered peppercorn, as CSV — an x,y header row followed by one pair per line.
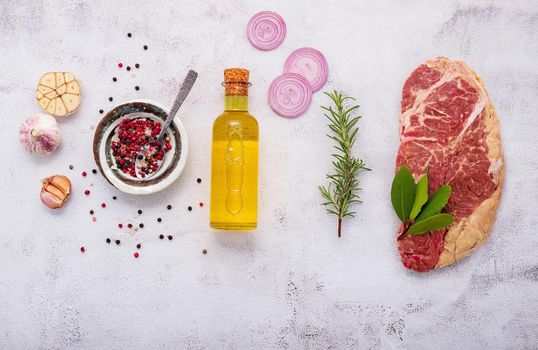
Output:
x,y
137,88
82,249
114,79
204,251
145,47
161,236
189,208
198,180
71,166
201,204
114,197
94,219
118,241
120,65
129,35
108,240
101,111
135,254
87,192
159,219
84,173
139,211
170,238
94,171
120,225
141,225
103,205
129,225
168,207
110,99
137,65
128,67
91,212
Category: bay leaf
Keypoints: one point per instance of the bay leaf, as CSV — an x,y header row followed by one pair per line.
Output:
x,y
421,196
402,193
432,223
437,202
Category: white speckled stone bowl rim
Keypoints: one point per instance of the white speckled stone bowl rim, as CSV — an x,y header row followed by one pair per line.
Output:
x,y
163,183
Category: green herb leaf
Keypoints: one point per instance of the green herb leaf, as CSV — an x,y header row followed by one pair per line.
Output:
x,y
402,193
343,189
432,223
435,203
421,196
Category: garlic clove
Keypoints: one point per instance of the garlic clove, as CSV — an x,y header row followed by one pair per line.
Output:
x,y
54,191
62,183
50,200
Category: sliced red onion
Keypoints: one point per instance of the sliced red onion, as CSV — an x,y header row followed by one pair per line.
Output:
x,y
311,64
290,95
266,30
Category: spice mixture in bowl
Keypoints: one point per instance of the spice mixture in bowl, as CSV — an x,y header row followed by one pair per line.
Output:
x,y
121,134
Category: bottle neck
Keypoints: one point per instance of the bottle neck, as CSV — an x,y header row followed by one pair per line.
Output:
x,y
236,103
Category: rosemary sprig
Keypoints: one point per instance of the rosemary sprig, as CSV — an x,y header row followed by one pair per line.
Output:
x,y
343,187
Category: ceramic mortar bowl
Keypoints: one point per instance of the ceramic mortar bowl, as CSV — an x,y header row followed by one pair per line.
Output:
x,y
173,162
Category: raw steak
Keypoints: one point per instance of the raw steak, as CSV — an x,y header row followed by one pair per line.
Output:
x,y
448,123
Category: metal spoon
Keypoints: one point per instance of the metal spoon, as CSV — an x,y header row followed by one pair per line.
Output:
x,y
141,160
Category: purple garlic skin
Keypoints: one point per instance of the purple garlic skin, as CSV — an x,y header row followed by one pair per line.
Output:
x,y
40,134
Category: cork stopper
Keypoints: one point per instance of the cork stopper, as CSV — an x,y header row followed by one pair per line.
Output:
x,y
236,81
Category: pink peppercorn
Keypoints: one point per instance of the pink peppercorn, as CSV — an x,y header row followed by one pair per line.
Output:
x,y
87,192
84,173
120,225
103,205
82,249
136,254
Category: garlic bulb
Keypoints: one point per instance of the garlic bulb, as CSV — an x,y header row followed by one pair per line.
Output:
x,y
40,134
55,191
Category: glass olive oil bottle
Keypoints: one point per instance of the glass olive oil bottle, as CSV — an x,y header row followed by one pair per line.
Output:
x,y
234,162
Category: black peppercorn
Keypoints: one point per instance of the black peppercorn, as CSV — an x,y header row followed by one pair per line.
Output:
x,y
108,240
198,180
137,88
145,47
91,212
128,67
101,111
71,166
204,251
138,246
141,225
114,197
170,238
114,79
118,241
189,208
129,225
129,35
110,99
94,171
139,211
168,207
159,219
161,236
137,65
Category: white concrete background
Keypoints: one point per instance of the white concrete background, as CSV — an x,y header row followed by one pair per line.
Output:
x,y
292,284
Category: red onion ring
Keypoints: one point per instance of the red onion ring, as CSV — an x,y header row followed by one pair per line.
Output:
x,y
266,30
311,64
290,95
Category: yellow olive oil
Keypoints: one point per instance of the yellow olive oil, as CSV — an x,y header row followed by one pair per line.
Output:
x,y
234,163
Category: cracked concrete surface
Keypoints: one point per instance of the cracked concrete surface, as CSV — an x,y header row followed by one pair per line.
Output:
x,y
291,284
